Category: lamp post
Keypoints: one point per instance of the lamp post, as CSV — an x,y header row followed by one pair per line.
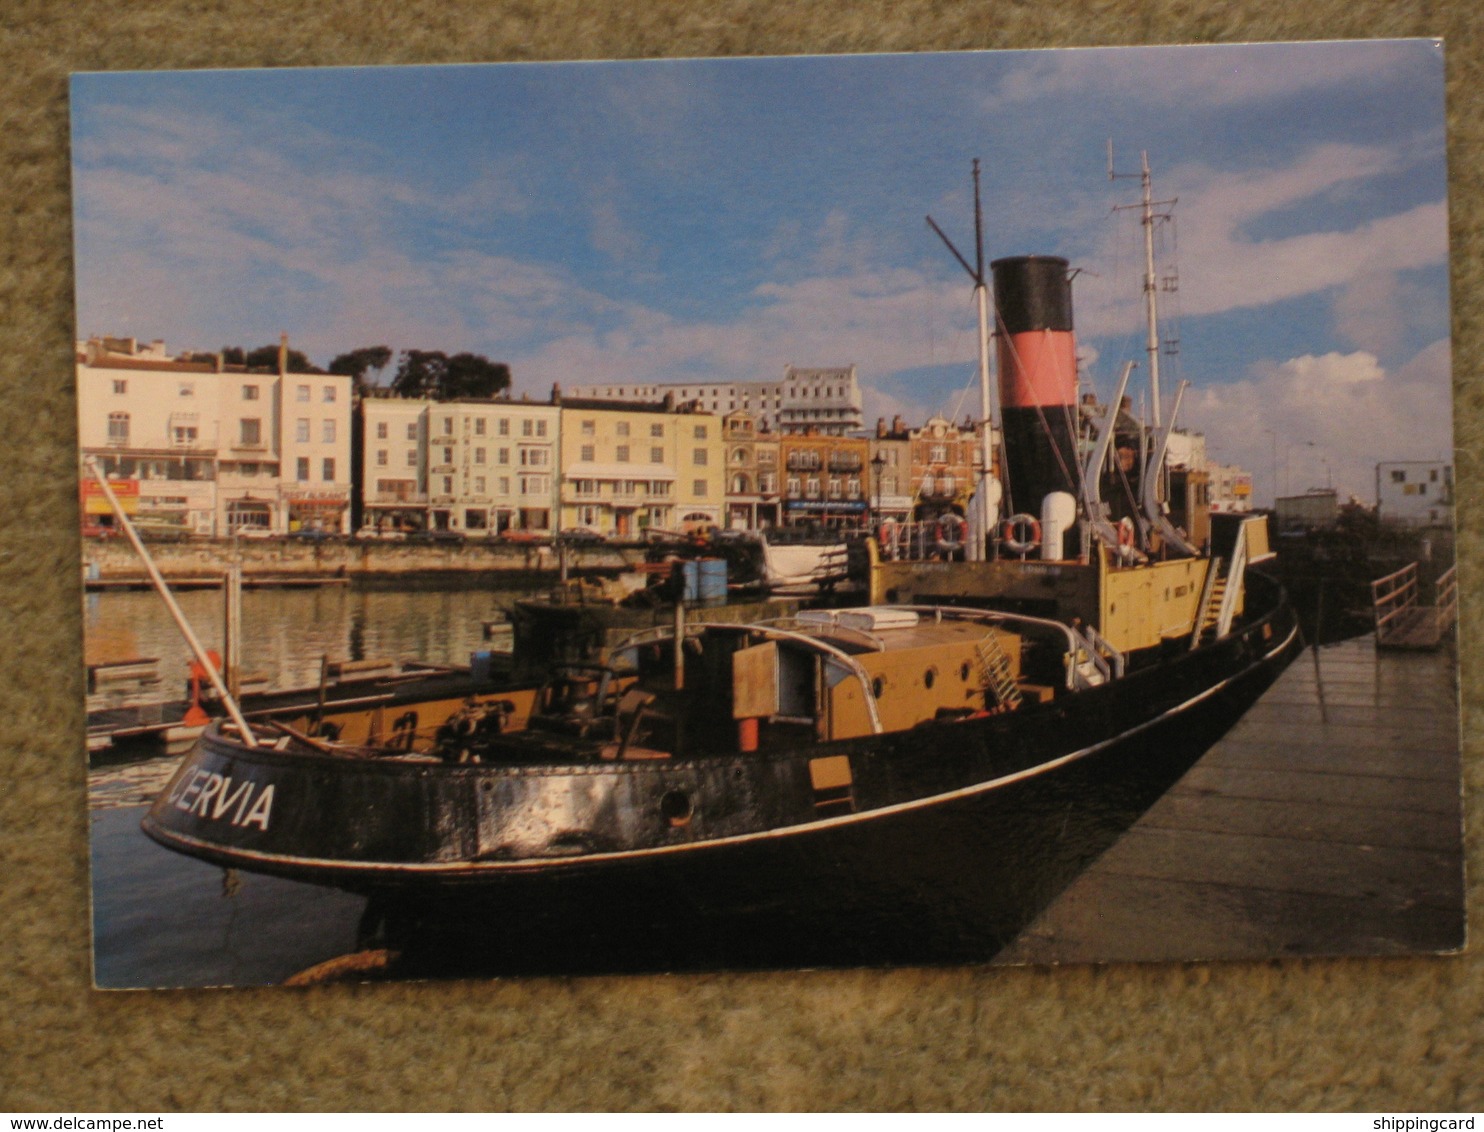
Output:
x,y
878,462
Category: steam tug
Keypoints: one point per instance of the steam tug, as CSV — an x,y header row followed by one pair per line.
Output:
x,y
907,781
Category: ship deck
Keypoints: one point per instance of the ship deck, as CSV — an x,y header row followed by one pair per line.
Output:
x,y
1328,821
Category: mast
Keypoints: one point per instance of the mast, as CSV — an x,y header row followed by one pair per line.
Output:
x,y
1148,217
981,302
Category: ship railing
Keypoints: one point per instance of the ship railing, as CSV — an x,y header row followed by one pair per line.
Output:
x,y
1080,649
1446,597
1235,576
1394,597
659,633
1114,660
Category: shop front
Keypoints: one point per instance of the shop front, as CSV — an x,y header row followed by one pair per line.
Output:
x,y
317,510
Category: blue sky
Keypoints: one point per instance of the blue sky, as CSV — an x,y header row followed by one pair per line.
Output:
x,y
682,219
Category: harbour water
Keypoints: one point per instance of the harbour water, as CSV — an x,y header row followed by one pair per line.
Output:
x,y
163,920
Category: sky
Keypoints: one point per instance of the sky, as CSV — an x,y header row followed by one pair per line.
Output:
x,y
687,220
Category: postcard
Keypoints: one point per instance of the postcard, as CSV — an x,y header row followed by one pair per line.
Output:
x,y
676,515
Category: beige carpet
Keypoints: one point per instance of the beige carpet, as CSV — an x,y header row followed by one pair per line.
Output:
x,y
1387,1035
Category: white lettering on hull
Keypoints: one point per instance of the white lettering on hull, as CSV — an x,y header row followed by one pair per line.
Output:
x,y
216,797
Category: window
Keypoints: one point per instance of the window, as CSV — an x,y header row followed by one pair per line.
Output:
x,y
698,457
184,435
699,489
301,430
811,489
938,454
657,430
504,485
447,455
479,426
588,454
1398,476
478,485
621,454
540,428
118,428
525,427
120,385
700,432
535,457
412,430
251,431
249,392
656,455
793,485
479,455
329,395
589,428
447,485
302,393
504,455
302,469
660,489
327,432
187,388
447,426
1432,476
623,428
381,430
381,457
328,469
412,457
504,426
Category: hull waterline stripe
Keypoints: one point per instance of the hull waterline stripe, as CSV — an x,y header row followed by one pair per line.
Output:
x,y
433,870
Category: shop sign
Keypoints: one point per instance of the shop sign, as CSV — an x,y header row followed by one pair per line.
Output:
x,y
94,502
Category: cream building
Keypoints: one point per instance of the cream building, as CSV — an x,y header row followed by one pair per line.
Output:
x,y
216,448
477,466
631,466
826,399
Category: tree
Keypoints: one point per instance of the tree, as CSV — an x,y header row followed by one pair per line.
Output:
x,y
432,373
355,363
266,357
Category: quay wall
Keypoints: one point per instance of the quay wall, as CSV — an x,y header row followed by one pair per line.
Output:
x,y
114,558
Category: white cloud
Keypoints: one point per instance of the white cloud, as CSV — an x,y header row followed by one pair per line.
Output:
x,y
1328,419
1210,75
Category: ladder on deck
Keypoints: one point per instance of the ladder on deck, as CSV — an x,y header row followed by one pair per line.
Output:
x,y
997,673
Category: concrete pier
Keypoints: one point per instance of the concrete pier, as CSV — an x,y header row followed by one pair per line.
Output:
x,y
1327,822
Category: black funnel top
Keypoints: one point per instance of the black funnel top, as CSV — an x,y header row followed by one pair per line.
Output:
x,y
1032,292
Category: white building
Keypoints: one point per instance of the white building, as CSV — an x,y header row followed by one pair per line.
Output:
x,y
1415,493
473,465
827,399
1230,488
214,448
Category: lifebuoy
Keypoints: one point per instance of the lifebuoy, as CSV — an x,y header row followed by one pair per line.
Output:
x,y
1011,533
952,531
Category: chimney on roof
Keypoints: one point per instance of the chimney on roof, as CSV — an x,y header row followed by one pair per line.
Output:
x,y
556,392
669,400
221,365
283,354
880,428
897,425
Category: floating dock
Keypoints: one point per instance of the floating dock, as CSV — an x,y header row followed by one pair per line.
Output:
x,y
1327,822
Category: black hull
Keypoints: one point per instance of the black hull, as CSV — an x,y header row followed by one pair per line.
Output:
x,y
961,832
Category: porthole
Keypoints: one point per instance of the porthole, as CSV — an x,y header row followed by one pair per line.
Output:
x,y
929,677
878,686
675,808
963,672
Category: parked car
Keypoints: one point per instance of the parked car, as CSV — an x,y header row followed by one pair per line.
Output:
x,y
581,535
381,534
519,534
436,537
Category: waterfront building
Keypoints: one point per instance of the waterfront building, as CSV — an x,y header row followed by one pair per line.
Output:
x,y
891,470
476,465
826,399
824,479
1318,507
1231,488
628,466
752,459
208,448
1417,493
945,462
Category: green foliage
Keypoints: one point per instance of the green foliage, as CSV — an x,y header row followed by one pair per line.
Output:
x,y
355,363
432,373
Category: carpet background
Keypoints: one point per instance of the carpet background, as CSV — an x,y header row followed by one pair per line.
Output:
x,y
1343,1034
